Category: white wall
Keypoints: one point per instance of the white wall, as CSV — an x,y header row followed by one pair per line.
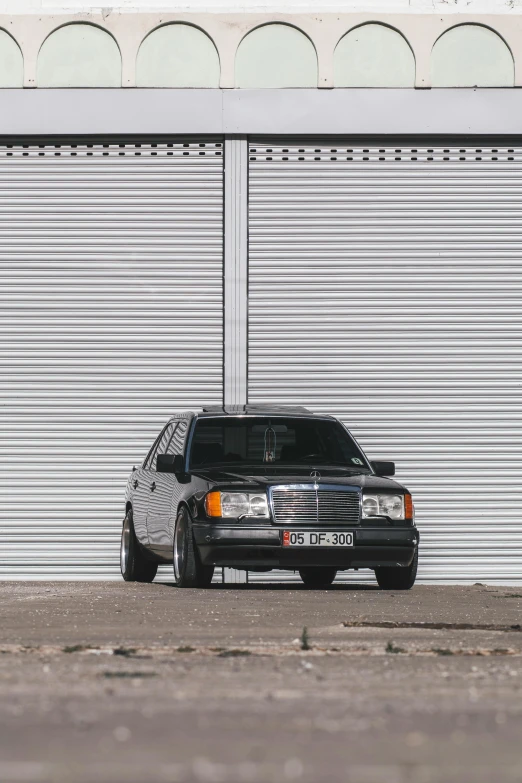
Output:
x,y
314,57
402,6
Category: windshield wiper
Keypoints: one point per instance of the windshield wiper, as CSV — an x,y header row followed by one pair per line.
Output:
x,y
340,465
263,466
300,468
221,465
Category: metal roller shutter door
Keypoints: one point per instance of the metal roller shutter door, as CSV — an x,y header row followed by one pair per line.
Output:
x,y
111,269
385,285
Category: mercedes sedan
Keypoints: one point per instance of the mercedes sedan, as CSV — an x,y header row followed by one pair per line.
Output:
x,y
262,488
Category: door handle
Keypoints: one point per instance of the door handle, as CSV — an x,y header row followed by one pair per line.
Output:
x,y
153,486
136,483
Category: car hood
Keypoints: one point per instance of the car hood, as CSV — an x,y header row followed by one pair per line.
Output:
x,y
255,480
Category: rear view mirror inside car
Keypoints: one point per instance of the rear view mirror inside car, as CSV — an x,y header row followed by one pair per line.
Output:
x,y
261,428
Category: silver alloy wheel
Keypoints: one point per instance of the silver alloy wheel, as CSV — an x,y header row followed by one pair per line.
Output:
x,y
125,545
179,547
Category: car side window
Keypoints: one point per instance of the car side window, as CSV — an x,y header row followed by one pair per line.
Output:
x,y
177,441
152,450
161,445
171,448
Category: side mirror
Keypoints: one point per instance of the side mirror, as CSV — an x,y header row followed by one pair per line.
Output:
x,y
383,467
170,463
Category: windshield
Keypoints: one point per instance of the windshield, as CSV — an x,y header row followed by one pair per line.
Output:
x,y
274,441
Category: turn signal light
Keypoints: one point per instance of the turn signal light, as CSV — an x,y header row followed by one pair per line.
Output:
x,y
408,506
213,504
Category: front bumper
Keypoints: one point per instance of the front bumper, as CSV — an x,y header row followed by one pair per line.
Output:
x,y
261,546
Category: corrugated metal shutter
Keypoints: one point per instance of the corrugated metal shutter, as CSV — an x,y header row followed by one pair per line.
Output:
x,y
111,280
386,287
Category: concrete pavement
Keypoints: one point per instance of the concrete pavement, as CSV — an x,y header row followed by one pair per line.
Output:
x,y
115,681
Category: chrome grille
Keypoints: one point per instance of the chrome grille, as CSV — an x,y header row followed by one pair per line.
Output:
x,y
306,505
338,507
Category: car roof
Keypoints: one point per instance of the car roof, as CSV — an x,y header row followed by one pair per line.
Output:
x,y
256,410
209,411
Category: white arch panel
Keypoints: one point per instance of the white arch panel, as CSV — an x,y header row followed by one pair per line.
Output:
x,y
373,55
79,55
11,62
471,56
177,55
276,55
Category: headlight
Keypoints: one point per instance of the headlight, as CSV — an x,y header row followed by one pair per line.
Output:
x,y
236,504
370,507
392,506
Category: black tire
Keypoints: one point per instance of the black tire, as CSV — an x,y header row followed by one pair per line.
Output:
x,y
398,577
318,576
188,568
133,564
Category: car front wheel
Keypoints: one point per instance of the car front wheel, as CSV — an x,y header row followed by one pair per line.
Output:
x,y
134,566
188,568
397,577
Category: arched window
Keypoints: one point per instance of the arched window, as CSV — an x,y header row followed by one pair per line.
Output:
x,y
177,55
373,55
276,55
471,56
79,55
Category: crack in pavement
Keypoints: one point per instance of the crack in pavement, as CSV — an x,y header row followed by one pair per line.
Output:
x,y
433,626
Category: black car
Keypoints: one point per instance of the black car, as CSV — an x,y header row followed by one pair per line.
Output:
x,y
262,488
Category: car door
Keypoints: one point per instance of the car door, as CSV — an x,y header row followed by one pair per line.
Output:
x,y
160,491
141,484
163,505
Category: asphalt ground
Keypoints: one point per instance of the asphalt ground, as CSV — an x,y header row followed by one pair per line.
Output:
x,y
138,683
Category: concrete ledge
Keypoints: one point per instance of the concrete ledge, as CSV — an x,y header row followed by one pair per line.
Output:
x,y
274,112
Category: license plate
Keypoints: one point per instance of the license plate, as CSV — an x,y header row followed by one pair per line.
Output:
x,y
316,538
